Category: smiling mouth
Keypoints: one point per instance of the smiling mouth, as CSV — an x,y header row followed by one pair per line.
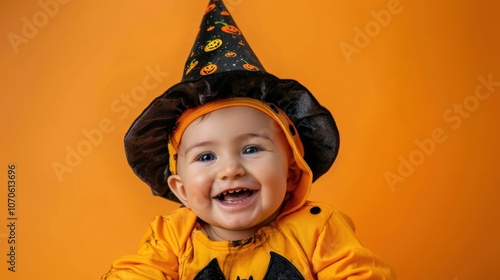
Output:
x,y
235,196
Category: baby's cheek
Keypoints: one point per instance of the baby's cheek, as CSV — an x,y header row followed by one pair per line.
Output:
x,y
198,202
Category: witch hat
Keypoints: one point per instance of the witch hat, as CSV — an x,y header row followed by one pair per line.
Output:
x,y
222,66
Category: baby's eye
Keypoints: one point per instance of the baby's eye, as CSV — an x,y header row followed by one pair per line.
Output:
x,y
251,149
205,157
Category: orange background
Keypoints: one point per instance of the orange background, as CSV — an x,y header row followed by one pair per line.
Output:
x,y
66,77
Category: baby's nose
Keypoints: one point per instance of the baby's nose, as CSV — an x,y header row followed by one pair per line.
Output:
x,y
230,168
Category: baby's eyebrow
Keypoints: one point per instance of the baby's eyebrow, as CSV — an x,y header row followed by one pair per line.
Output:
x,y
196,145
255,135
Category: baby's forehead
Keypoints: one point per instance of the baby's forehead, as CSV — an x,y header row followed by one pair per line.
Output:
x,y
245,119
240,114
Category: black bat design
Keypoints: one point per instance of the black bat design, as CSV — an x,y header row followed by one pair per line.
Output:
x,y
279,269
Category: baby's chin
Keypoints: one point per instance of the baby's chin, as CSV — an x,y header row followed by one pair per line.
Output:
x,y
234,232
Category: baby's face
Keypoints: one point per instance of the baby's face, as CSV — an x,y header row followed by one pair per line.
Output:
x,y
232,171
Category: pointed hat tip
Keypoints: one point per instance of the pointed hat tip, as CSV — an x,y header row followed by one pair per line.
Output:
x,y
220,46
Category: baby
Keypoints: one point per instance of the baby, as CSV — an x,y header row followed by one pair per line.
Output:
x,y
239,148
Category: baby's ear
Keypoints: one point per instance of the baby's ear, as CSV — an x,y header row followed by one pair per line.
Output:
x,y
294,174
177,187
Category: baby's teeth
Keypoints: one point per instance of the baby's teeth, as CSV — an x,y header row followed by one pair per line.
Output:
x,y
234,191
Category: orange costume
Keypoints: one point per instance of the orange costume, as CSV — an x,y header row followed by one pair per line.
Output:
x,y
314,242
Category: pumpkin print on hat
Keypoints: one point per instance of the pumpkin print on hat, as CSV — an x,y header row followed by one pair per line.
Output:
x,y
192,65
208,69
231,29
210,8
250,67
212,45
